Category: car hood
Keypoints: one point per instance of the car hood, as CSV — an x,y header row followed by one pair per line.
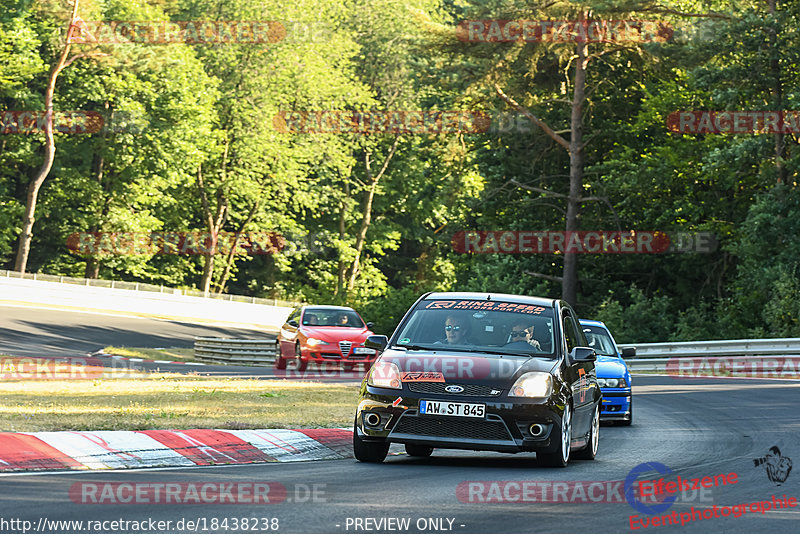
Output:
x,y
610,367
335,334
468,367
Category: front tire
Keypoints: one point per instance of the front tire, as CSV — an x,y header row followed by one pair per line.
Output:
x,y
420,451
301,364
280,362
590,451
629,421
370,452
559,458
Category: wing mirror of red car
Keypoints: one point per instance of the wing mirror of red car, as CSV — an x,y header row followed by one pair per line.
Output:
x,y
293,323
582,354
370,325
376,342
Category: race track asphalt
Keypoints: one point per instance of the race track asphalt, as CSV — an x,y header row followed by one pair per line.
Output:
x,y
695,427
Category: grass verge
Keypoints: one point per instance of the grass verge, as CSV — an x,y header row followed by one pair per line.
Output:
x,y
172,401
172,354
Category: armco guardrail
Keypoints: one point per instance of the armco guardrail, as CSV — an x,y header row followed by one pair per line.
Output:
x,y
139,286
235,351
758,355
172,304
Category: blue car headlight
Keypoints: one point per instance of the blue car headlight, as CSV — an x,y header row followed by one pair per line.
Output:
x,y
611,382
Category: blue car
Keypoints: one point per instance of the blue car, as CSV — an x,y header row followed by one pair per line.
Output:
x,y
613,376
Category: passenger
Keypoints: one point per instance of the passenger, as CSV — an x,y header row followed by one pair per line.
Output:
x,y
343,320
521,337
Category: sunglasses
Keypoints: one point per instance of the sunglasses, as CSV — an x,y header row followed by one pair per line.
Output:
x,y
448,328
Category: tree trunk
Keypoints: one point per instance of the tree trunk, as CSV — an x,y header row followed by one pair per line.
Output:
x,y
341,265
25,237
569,282
232,252
777,99
366,214
214,222
366,220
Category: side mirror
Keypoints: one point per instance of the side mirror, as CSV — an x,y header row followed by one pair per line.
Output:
x,y
293,323
370,325
628,352
376,342
582,354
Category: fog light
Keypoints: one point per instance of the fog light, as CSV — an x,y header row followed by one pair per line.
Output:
x,y
536,430
372,419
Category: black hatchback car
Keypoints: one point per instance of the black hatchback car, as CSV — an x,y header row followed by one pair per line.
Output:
x,y
481,371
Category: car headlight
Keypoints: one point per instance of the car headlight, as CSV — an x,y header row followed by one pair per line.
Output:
x,y
385,375
611,382
533,384
313,342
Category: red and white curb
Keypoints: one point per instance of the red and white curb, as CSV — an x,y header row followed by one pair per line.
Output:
x,y
126,449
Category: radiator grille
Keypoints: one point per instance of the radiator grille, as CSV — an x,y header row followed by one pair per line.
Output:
x,y
452,427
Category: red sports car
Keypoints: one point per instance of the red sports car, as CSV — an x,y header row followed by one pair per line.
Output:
x,y
324,334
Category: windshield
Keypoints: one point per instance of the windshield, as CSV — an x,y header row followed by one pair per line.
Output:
x,y
479,326
600,340
328,317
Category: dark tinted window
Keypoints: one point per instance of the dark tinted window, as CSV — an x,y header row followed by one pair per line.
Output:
x,y
328,317
479,324
570,332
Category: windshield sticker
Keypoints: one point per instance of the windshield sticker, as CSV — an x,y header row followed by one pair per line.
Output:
x,y
485,305
404,341
416,376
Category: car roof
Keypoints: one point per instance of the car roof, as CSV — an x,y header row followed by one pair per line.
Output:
x,y
538,301
326,307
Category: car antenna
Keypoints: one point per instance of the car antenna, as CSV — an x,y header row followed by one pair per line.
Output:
x,y
488,297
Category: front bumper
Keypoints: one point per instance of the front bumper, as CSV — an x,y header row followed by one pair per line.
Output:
x,y
616,404
505,428
321,355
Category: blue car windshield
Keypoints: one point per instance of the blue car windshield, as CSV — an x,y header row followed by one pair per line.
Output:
x,y
476,325
600,340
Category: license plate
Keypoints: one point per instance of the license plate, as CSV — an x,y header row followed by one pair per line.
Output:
x,y
454,409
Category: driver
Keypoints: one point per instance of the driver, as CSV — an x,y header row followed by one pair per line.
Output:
x,y
456,330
